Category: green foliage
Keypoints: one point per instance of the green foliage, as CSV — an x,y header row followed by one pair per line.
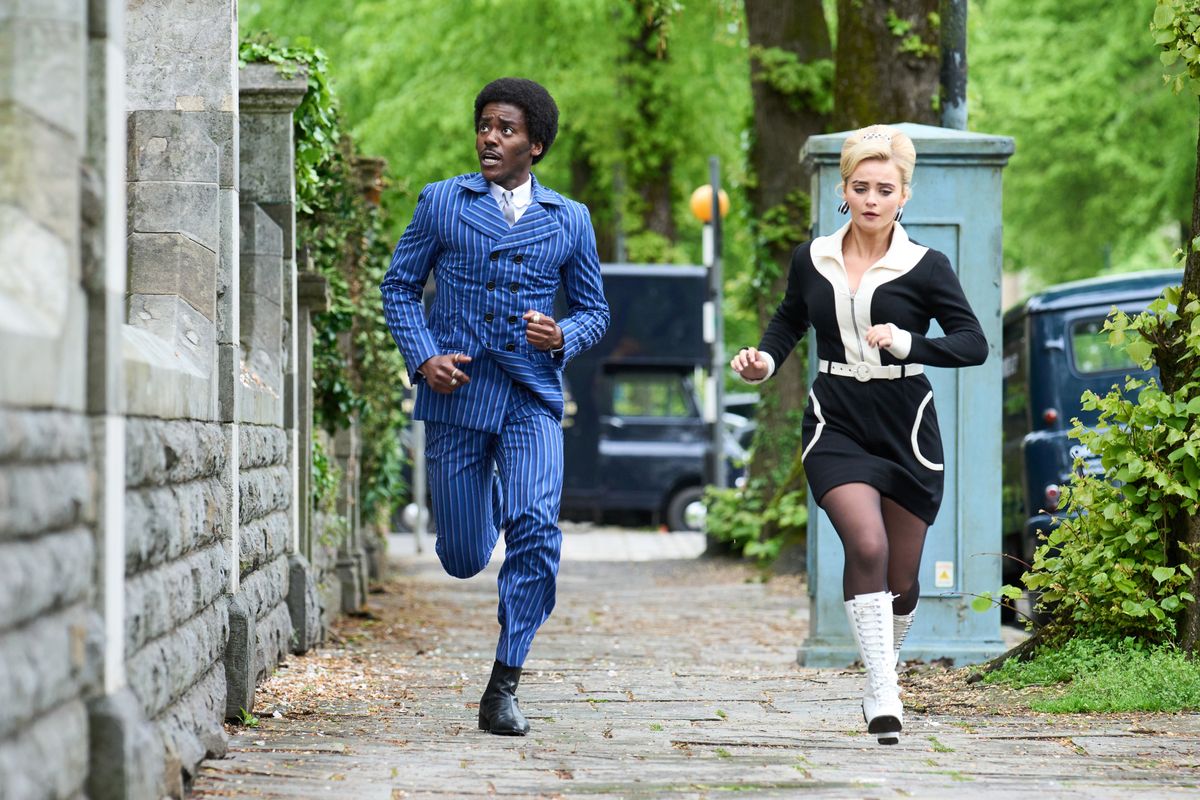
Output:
x,y
805,85
1112,564
1176,30
326,483
1106,675
779,229
648,247
247,719
316,122
356,368
910,41
1104,162
406,79
737,516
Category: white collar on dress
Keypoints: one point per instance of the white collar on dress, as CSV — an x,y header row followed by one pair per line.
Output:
x,y
902,255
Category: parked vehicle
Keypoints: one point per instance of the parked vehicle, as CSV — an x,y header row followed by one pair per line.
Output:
x,y
635,439
1055,348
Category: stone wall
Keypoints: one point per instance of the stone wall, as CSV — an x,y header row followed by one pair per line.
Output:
x,y
156,551
46,619
177,611
48,622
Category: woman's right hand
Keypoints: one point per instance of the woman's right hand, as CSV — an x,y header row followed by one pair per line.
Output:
x,y
749,364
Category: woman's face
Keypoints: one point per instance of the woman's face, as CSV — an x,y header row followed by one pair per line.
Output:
x,y
875,193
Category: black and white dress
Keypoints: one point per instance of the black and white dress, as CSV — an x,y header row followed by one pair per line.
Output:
x,y
869,418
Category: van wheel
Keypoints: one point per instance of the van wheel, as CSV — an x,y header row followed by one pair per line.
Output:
x,y
685,510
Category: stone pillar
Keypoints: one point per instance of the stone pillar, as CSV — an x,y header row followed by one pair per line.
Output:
x,y
352,564
125,757
312,297
182,316
273,318
267,100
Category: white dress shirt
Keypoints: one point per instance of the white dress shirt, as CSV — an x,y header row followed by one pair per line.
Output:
x,y
522,196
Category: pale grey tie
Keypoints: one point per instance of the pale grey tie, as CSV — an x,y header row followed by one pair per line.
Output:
x,y
507,207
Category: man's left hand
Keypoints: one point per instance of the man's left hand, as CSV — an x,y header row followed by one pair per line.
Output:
x,y
542,331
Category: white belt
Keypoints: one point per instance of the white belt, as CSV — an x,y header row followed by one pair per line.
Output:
x,y
867,372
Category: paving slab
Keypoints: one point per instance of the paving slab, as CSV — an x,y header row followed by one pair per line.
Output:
x,y
670,678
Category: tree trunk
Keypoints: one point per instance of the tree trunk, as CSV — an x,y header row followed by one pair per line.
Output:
x,y
1176,367
782,124
888,63
650,163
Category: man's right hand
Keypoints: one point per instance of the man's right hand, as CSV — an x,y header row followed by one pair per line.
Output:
x,y
442,372
749,364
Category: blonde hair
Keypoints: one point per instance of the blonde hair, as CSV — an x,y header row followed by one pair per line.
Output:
x,y
883,143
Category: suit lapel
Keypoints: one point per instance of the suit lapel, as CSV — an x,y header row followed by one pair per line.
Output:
x,y
533,226
483,214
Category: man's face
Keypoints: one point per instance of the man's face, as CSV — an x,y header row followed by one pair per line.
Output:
x,y
502,142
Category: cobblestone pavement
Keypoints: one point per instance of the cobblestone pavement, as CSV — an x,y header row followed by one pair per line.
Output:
x,y
653,679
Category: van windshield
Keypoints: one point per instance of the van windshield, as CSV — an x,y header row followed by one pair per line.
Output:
x,y
651,394
1091,351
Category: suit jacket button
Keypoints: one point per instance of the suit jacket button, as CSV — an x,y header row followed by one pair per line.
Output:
x,y
488,317
512,319
495,256
510,347
491,285
517,258
514,286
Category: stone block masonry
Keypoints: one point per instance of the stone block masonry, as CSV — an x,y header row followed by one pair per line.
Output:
x,y
47,560
155,560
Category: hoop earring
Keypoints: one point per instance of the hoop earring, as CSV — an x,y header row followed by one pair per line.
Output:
x,y
899,213
844,208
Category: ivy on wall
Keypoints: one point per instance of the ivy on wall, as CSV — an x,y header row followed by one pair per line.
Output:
x,y
357,371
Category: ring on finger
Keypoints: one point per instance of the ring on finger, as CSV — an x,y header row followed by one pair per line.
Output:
x,y
453,381
536,318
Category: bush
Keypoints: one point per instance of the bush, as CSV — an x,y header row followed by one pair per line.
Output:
x,y
736,516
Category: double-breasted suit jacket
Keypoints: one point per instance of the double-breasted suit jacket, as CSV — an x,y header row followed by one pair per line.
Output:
x,y
488,275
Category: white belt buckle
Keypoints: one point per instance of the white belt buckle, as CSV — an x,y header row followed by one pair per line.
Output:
x,y
862,371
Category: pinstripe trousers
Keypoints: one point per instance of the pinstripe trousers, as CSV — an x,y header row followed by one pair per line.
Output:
x,y
482,482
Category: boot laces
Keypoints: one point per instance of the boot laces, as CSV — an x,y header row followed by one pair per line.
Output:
x,y
870,632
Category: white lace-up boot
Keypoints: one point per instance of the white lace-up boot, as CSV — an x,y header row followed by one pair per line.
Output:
x,y
871,623
901,625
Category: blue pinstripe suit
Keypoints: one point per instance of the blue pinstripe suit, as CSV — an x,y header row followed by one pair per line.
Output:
x,y
494,445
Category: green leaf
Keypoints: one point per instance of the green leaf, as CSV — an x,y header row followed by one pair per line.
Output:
x,y
1167,57
1161,574
1139,351
1163,16
983,602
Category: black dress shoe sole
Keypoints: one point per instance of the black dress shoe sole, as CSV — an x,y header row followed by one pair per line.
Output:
x,y
485,726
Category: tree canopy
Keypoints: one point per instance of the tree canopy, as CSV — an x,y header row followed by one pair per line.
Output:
x,y
1102,173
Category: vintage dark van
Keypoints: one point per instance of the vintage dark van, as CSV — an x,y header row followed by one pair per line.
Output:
x,y
1054,349
634,436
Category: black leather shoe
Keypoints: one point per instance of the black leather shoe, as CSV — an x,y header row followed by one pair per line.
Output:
x,y
499,712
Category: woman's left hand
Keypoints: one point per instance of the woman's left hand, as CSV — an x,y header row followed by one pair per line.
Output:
x,y
879,336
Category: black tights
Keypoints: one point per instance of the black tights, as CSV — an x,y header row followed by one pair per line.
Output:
x,y
882,541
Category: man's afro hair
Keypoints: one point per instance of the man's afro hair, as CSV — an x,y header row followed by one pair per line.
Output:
x,y
541,113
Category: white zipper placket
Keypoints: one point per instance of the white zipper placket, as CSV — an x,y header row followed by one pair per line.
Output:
x,y
853,312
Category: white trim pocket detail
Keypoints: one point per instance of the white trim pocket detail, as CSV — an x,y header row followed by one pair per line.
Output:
x,y
820,424
916,428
